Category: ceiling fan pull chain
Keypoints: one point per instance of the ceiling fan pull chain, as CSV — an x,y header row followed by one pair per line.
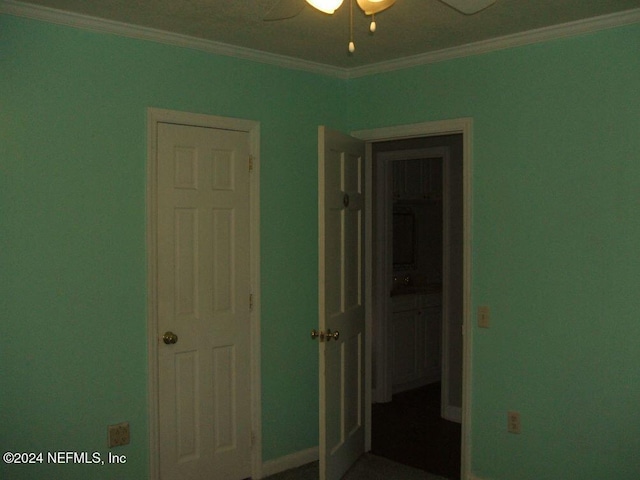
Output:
x,y
372,27
352,46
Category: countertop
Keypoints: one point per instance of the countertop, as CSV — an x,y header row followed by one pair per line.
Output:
x,y
430,288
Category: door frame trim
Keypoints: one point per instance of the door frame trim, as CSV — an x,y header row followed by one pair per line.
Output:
x,y
462,126
155,116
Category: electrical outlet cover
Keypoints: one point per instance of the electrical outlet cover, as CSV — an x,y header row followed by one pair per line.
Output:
x,y
119,434
513,422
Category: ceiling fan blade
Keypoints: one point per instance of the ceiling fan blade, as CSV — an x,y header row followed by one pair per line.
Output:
x,y
371,7
284,9
469,7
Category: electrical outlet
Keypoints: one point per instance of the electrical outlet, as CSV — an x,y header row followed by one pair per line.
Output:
x,y
483,316
513,422
119,434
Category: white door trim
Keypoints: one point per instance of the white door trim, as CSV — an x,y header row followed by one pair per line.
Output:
x,y
155,116
444,127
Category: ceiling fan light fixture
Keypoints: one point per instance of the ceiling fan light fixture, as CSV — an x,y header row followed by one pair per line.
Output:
x,y
326,6
369,7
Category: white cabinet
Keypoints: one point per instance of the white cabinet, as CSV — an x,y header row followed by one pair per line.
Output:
x,y
417,179
416,334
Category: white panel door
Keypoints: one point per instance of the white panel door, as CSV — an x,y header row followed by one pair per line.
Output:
x,y
341,301
203,298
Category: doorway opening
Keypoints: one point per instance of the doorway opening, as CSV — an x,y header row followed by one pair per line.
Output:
x,y
417,355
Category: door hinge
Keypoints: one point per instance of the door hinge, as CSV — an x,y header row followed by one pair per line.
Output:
x,y
251,302
250,163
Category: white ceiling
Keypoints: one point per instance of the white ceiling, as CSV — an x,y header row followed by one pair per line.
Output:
x,y
408,28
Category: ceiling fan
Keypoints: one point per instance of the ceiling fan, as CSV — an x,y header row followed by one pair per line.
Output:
x,y
290,8
285,9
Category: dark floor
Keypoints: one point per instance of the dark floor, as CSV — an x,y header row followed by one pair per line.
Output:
x,y
411,431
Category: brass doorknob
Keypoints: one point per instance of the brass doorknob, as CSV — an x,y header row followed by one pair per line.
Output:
x,y
169,338
321,335
333,335
315,334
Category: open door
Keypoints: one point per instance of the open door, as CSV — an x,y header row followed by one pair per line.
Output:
x,y
341,301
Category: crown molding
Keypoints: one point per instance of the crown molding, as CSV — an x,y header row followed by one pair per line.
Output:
x,y
86,22
539,35
544,34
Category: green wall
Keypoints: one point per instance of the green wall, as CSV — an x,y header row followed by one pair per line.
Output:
x,y
555,238
556,245
73,271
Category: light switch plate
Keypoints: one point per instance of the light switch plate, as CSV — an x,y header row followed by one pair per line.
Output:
x,y
483,316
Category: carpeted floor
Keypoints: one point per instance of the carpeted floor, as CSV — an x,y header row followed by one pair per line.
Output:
x,y
368,467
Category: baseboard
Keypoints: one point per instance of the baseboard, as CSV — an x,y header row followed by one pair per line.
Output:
x,y
292,460
430,376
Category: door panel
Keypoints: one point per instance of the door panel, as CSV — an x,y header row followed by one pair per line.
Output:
x,y
203,297
341,253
